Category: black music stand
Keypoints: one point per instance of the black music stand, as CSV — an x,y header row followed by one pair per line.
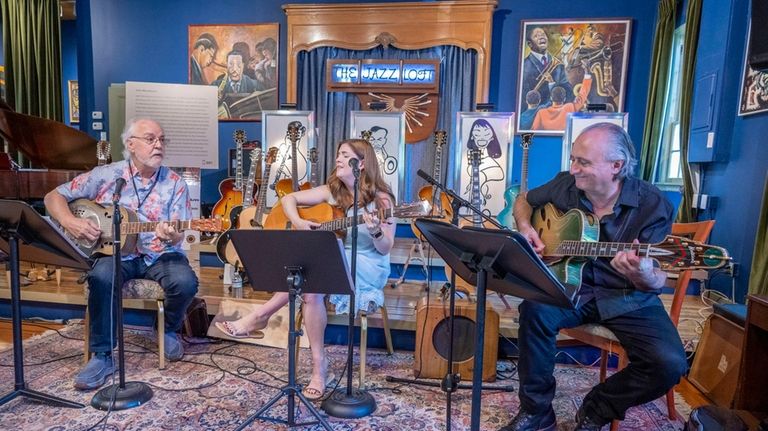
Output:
x,y
499,260
301,261
25,234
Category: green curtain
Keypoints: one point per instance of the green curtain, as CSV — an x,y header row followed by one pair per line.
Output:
x,y
657,87
685,213
758,279
32,46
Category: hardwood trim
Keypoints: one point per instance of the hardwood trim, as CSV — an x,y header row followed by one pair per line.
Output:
x,y
409,25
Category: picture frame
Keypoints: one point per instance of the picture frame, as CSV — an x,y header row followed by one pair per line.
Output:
x,y
555,56
241,60
578,121
753,97
388,141
492,133
73,95
274,133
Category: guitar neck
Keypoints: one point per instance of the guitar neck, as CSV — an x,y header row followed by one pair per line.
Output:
x,y
128,228
600,249
262,198
313,175
294,167
248,197
477,220
239,167
524,173
345,222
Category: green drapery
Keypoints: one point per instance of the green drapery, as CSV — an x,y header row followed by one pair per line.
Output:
x,y
758,279
32,45
657,88
693,20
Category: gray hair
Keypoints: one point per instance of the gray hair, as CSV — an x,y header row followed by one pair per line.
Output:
x,y
622,148
128,132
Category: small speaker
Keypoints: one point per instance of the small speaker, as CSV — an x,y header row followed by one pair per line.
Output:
x,y
433,341
758,37
715,369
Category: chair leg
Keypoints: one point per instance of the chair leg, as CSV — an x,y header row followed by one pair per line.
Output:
x,y
387,333
671,411
363,346
161,332
86,337
603,365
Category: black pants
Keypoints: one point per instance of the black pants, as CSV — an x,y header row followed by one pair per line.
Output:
x,y
656,357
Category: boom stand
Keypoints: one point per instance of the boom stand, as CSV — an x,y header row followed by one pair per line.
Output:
x,y
315,263
121,396
24,233
514,269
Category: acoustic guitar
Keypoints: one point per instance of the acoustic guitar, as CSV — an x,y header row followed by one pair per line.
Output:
x,y
222,242
506,216
102,216
571,238
231,191
285,186
441,204
331,218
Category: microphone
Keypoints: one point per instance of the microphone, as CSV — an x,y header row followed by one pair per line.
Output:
x,y
119,184
355,165
426,176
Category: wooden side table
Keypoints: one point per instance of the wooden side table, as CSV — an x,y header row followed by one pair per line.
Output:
x,y
751,393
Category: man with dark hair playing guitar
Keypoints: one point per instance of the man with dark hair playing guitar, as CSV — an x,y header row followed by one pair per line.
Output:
x,y
620,293
155,194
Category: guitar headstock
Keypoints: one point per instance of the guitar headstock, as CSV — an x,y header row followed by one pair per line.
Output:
x,y
526,139
103,149
255,155
366,135
474,155
677,253
295,131
271,155
207,224
416,209
440,136
239,137
313,155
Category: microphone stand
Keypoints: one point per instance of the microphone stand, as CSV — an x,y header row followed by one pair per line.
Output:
x,y
121,396
349,403
451,381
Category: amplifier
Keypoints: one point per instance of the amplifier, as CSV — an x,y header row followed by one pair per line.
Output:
x,y
715,369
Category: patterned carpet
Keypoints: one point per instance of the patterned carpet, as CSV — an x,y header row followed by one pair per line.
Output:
x,y
218,385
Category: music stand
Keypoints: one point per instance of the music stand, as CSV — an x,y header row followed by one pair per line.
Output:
x,y
301,261
499,260
25,234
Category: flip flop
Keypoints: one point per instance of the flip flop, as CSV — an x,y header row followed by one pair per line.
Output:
x,y
314,394
226,328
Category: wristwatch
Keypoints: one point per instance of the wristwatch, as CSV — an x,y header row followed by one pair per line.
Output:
x,y
378,234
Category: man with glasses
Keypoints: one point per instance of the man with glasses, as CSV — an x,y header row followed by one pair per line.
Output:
x,y
156,194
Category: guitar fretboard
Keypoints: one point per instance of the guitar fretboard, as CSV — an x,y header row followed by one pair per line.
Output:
x,y
261,202
345,222
600,249
477,219
140,227
249,183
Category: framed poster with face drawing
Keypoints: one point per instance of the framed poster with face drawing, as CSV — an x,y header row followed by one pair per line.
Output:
x,y
293,133
387,136
490,133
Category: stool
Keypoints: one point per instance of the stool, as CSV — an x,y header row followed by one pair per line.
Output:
x,y
135,293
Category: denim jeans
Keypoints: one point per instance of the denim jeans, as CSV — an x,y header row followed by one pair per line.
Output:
x,y
170,270
656,357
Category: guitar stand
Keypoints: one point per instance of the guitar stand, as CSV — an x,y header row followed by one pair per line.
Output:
x,y
416,247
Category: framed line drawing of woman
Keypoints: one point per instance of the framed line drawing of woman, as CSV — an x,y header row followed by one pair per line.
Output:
x,y
491,133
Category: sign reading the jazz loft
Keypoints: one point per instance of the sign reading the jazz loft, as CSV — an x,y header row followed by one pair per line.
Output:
x,y
408,86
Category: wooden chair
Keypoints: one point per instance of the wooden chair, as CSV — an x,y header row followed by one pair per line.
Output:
x,y
363,336
601,337
136,293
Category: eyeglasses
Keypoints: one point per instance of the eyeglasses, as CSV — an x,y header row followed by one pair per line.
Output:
x,y
152,140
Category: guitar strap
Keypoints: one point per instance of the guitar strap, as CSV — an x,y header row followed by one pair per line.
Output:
x,y
139,200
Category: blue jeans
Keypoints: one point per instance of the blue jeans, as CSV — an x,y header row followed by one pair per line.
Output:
x,y
170,270
656,357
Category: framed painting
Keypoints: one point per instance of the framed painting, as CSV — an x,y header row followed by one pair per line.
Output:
x,y
241,61
578,121
387,136
292,132
73,95
754,88
566,65
490,133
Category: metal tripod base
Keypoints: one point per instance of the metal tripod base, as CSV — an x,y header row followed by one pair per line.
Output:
x,y
358,404
39,396
132,395
289,392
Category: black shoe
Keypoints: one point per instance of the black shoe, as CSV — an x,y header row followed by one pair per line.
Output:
x,y
525,421
584,422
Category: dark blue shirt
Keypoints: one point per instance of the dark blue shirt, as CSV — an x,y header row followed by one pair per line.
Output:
x,y
641,212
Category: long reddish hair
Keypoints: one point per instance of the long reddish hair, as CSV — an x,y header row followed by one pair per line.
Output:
x,y
371,180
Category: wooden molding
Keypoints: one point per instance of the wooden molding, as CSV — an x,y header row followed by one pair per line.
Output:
x,y
409,25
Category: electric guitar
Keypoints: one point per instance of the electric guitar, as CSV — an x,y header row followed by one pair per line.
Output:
x,y
313,158
571,238
223,241
231,191
475,158
441,204
506,217
331,218
289,185
102,217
